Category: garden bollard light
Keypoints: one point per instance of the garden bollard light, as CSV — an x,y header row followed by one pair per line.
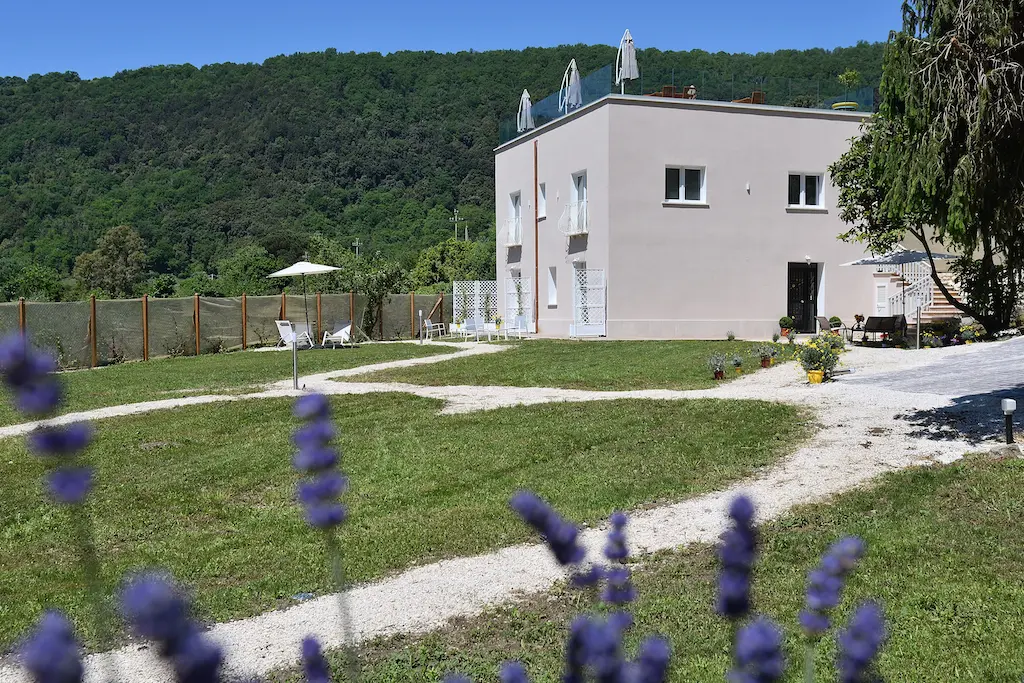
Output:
x,y
1009,405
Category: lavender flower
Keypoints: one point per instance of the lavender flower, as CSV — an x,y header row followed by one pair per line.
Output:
x,y
29,375
825,584
615,549
859,644
736,556
758,653
319,493
513,672
313,662
70,484
651,664
560,535
51,654
618,588
157,610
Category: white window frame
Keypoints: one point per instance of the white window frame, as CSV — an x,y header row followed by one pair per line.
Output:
x,y
542,201
820,203
703,200
514,237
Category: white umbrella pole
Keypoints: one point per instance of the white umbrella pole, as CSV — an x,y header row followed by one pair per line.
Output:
x,y
305,305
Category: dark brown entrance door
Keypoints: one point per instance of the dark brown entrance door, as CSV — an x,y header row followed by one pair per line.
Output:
x,y
802,296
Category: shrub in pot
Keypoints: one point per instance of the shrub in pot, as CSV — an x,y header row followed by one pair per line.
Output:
x,y
786,324
716,363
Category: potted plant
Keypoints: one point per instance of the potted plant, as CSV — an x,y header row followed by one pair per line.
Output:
x,y
737,362
716,363
785,324
858,322
819,358
497,322
835,323
765,352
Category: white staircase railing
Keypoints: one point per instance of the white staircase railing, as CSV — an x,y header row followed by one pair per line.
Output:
x,y
575,219
916,291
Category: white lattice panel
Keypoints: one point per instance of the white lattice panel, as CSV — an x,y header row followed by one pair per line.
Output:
x,y
475,300
519,301
589,296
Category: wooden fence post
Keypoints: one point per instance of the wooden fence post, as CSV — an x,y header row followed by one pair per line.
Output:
x,y
195,313
245,323
352,308
284,307
21,316
92,331
413,332
319,318
380,320
145,327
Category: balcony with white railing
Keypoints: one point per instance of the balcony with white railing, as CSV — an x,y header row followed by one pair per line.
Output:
x,y
514,232
575,219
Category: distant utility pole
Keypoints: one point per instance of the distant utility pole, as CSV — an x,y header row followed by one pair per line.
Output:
x,y
455,220
356,245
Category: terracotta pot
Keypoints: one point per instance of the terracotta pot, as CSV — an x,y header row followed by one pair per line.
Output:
x,y
815,376
719,374
739,371
785,331
766,361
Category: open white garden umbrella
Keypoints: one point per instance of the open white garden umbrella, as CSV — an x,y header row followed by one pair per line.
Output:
x,y
570,95
626,68
897,257
303,268
524,120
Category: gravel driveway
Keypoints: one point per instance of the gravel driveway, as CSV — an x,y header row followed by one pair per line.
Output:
x,y
974,381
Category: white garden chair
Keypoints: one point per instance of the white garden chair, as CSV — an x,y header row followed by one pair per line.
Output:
x,y
289,334
431,328
342,335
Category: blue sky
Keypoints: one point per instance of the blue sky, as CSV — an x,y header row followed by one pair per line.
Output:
x,y
101,37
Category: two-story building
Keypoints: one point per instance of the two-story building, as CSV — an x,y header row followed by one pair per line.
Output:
x,y
645,217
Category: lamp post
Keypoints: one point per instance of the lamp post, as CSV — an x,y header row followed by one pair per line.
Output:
x,y
1009,405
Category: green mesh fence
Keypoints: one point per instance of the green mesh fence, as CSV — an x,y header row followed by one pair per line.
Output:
x,y
65,329
171,327
335,312
220,324
260,314
62,328
8,318
118,330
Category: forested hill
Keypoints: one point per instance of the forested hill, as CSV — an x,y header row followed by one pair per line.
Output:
x,y
200,161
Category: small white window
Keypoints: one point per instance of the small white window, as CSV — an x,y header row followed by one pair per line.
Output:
x,y
552,286
685,184
542,201
805,189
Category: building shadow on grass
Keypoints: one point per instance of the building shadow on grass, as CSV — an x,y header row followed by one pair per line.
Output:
x,y
975,417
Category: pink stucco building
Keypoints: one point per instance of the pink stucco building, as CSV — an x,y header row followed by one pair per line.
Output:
x,y
655,218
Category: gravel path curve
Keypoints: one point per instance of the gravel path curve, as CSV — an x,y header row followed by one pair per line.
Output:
x,y
860,438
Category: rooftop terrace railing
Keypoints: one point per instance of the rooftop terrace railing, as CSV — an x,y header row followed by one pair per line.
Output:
x,y
710,86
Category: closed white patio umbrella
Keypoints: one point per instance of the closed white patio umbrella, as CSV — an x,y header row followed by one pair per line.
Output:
x,y
302,269
626,68
570,95
524,120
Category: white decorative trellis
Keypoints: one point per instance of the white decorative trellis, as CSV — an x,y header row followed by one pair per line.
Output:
x,y
588,303
475,300
519,301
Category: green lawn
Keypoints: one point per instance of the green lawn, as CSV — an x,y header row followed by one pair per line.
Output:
x,y
945,557
207,491
212,374
602,365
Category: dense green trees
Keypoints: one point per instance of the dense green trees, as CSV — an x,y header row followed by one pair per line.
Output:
x,y
946,148
200,162
117,264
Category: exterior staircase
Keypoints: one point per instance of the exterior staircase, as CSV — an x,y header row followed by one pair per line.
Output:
x,y
940,308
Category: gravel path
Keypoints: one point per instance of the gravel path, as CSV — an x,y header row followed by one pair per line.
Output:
x,y
274,390
861,436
